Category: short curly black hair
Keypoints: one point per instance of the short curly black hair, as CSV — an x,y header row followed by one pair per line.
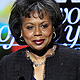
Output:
x,y
24,7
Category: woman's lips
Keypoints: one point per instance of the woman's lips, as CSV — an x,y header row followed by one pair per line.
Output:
x,y
38,42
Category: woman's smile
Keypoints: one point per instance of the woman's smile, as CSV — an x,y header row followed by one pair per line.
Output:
x,y
38,42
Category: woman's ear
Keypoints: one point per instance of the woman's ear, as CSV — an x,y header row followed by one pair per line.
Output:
x,y
53,29
21,37
21,32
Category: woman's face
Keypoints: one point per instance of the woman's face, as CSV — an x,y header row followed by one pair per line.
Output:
x,y
37,32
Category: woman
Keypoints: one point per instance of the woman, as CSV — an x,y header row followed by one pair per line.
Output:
x,y
37,23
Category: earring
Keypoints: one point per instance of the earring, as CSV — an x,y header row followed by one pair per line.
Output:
x,y
54,35
21,38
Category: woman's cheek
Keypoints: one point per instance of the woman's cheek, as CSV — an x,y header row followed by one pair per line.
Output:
x,y
27,34
48,32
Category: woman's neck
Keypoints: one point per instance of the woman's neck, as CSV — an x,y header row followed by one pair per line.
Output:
x,y
38,59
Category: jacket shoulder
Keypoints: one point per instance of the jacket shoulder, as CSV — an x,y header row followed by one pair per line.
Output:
x,y
68,51
68,54
14,55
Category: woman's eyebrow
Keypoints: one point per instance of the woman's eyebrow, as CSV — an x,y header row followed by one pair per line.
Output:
x,y
29,23
44,22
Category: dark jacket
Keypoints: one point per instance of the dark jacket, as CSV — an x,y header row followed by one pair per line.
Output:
x,y
64,65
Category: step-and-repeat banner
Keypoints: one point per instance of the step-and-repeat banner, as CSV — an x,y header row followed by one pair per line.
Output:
x,y
71,37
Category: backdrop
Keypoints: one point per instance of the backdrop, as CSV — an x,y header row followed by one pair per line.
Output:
x,y
71,36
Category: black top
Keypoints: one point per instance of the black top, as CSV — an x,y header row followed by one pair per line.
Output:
x,y
64,65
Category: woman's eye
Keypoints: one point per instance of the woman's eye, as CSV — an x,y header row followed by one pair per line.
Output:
x,y
30,27
44,26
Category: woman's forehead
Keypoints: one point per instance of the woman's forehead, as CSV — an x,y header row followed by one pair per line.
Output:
x,y
38,14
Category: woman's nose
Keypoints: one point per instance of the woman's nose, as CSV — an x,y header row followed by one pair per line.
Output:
x,y
37,31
